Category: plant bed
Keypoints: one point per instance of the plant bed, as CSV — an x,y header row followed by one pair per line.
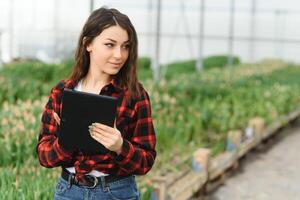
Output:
x,y
190,112
219,167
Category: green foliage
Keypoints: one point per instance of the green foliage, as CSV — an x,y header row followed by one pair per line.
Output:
x,y
190,111
219,61
144,63
29,70
144,68
189,66
19,128
31,80
218,147
30,182
180,67
34,79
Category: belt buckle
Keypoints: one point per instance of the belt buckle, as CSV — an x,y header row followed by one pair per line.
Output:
x,y
95,181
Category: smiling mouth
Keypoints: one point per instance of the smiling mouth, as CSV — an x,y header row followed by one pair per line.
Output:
x,y
116,63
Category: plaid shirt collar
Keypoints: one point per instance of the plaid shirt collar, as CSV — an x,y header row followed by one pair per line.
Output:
x,y
114,83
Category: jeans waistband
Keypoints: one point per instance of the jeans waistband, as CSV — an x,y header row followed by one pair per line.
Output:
x,y
90,181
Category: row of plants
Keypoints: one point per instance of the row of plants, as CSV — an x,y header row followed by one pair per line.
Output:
x,y
29,182
189,112
34,78
188,99
31,80
170,70
194,113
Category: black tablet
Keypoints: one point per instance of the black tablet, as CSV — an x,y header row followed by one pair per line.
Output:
x,y
79,111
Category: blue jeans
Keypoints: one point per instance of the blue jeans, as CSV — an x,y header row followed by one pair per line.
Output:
x,y
124,189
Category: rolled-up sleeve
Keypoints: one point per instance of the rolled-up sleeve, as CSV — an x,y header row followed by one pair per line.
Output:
x,y
50,152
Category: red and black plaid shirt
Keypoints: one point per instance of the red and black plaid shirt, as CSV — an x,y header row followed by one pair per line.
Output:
x,y
133,121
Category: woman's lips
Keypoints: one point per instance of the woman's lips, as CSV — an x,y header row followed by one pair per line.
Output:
x,y
115,63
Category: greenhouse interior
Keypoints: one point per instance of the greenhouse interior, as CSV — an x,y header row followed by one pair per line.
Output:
x,y
169,100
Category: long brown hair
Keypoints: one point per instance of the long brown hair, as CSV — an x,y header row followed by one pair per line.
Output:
x,y
99,20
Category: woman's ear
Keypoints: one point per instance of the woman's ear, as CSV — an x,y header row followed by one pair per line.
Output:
x,y
88,47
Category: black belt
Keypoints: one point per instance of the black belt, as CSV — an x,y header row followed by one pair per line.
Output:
x,y
89,181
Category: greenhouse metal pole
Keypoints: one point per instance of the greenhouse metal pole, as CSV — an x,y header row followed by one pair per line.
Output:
x,y
280,27
231,33
187,34
149,27
11,29
156,67
277,28
1,62
56,30
199,64
252,31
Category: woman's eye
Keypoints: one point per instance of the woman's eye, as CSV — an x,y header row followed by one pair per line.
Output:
x,y
126,46
109,44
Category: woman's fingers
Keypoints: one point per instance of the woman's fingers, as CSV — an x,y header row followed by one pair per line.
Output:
x,y
109,137
102,139
104,133
103,127
56,117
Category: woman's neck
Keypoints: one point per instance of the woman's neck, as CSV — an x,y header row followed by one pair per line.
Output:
x,y
94,81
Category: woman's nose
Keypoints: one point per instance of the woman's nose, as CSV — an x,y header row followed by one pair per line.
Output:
x,y
117,52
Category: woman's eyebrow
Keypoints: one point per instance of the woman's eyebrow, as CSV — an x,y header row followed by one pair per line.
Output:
x,y
116,41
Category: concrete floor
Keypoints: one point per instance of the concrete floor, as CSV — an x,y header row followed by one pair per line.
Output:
x,y
271,173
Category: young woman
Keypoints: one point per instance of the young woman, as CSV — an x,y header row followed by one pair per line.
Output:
x,y
106,64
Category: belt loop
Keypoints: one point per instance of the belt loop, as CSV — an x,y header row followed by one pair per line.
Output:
x,y
103,183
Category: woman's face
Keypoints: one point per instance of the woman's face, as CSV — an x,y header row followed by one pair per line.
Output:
x,y
109,50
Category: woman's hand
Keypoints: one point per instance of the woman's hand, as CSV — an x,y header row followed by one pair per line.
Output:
x,y
56,117
109,137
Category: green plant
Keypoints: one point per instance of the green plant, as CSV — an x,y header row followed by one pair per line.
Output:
x,y
194,110
218,61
